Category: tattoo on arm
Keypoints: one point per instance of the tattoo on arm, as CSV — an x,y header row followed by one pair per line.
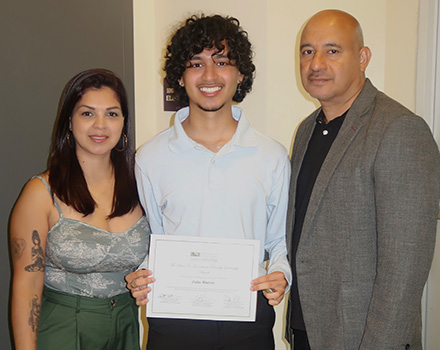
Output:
x,y
37,255
17,247
34,316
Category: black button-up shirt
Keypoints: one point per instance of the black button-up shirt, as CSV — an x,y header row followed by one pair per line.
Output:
x,y
317,149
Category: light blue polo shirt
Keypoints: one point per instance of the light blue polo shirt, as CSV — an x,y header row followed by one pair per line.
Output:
x,y
239,192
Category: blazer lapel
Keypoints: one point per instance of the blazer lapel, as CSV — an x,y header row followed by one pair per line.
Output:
x,y
299,149
350,128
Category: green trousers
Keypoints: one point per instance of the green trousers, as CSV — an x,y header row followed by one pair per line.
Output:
x,y
71,322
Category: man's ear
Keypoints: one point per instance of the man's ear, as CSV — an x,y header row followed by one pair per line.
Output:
x,y
240,77
365,56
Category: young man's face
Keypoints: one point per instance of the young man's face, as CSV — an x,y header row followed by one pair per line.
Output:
x,y
211,80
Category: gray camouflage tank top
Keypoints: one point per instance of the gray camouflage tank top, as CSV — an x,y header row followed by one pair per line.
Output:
x,y
85,260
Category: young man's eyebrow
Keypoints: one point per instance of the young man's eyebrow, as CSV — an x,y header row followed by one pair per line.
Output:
x,y
194,58
220,54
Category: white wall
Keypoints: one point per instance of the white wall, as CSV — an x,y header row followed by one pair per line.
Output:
x,y
277,103
428,105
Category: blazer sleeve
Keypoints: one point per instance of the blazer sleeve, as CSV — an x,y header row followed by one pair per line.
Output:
x,y
407,187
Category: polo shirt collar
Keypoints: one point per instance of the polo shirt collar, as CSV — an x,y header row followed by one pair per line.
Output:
x,y
180,142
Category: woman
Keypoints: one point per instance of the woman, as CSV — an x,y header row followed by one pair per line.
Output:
x,y
78,228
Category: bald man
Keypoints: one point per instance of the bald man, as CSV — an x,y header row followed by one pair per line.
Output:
x,y
363,204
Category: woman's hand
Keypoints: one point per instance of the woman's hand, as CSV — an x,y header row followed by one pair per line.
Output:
x,y
138,284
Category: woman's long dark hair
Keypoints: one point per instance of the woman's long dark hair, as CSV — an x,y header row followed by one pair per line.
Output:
x,y
66,177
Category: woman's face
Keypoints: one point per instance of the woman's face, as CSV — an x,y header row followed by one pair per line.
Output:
x,y
97,123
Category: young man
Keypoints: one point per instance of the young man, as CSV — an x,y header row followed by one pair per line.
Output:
x,y
212,175
363,202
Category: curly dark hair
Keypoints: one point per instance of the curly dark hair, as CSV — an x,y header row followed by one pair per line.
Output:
x,y
206,32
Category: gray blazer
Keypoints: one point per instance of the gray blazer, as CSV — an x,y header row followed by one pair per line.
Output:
x,y
368,237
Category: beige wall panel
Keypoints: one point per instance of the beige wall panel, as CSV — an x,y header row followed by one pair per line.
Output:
x,y
277,103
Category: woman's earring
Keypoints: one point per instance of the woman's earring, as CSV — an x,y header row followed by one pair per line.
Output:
x,y
68,138
124,143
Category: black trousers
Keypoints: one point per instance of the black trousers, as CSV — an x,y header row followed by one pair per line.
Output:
x,y
172,334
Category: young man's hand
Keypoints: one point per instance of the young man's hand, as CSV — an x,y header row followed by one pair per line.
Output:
x,y
273,286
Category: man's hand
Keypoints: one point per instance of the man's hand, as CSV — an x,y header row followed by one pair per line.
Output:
x,y
273,286
137,283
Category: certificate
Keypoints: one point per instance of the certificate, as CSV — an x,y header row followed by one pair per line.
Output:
x,y
203,278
